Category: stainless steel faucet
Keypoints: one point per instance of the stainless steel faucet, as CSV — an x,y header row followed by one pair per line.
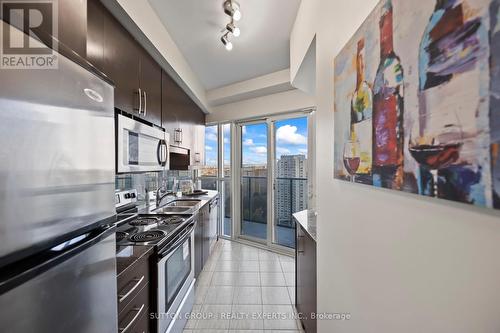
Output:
x,y
161,193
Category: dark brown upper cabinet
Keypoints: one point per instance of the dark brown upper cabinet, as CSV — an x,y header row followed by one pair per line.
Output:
x,y
172,101
95,33
73,25
121,64
136,75
150,83
180,112
70,37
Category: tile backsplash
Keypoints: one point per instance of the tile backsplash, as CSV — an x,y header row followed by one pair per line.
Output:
x,y
150,181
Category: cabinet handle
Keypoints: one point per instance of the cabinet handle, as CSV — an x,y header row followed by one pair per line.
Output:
x,y
145,103
139,310
139,110
123,297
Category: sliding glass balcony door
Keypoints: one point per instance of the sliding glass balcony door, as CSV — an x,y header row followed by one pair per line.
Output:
x,y
290,176
216,173
273,180
253,181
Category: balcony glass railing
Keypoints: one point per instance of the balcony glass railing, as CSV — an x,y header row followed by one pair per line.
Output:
x,y
290,197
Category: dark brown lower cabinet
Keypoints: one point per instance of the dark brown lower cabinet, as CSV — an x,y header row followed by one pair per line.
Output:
x,y
306,285
134,293
135,317
205,215
205,234
198,246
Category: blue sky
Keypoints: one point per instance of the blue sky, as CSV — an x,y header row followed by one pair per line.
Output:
x,y
291,139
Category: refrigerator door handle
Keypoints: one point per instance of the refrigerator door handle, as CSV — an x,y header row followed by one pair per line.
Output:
x,y
30,268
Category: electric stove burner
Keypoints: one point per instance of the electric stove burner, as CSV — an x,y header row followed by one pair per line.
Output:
x,y
174,220
142,221
120,235
147,236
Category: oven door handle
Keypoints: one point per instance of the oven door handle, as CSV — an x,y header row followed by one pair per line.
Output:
x,y
171,248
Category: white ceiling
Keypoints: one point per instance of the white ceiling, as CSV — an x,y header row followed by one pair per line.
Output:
x,y
262,48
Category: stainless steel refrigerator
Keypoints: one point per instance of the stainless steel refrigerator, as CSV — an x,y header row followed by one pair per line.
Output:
x,y
57,158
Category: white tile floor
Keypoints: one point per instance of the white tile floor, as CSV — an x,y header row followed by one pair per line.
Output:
x,y
243,289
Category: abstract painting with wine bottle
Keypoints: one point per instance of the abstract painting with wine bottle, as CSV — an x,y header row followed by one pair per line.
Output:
x,y
417,100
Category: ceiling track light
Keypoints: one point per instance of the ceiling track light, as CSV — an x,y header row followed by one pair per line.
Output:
x,y
227,43
232,28
232,8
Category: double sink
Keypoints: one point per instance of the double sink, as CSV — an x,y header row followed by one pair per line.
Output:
x,y
177,207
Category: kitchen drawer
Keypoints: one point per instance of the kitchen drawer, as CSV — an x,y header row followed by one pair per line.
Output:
x,y
132,315
131,282
142,325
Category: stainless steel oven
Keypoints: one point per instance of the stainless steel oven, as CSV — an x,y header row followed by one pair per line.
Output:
x,y
141,147
175,268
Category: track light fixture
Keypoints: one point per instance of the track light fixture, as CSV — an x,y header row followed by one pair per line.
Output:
x,y
227,43
232,28
232,8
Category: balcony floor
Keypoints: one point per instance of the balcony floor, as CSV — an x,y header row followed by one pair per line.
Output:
x,y
285,236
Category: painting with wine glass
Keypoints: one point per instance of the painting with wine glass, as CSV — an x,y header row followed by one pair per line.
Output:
x,y
417,100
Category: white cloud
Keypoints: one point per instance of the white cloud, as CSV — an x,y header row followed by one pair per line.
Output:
x,y
259,150
211,133
248,142
211,137
288,135
283,151
208,148
303,151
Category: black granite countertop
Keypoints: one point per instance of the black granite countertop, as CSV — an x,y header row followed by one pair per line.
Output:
x,y
204,199
307,219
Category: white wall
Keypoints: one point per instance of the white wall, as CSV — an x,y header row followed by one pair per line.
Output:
x,y
302,34
397,262
256,87
291,100
305,79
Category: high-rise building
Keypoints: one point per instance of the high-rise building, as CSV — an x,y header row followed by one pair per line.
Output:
x,y
291,186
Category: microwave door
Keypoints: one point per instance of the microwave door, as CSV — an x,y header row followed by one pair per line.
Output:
x,y
141,147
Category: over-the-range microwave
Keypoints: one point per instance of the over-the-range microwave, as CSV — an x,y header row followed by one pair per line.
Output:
x,y
140,147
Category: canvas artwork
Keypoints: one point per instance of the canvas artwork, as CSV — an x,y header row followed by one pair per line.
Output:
x,y
417,100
